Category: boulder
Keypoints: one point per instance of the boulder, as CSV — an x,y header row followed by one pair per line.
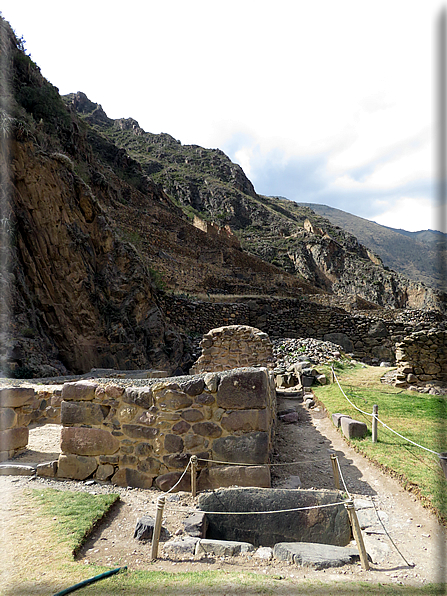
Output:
x,y
15,397
252,448
329,525
224,476
47,469
130,477
183,547
353,428
196,524
14,438
318,556
166,481
336,419
144,529
76,467
88,441
82,413
222,548
79,391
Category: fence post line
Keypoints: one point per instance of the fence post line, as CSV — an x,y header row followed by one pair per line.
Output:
x,y
157,527
334,461
194,475
357,534
374,423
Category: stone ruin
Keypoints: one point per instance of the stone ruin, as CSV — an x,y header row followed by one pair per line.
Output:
x,y
234,346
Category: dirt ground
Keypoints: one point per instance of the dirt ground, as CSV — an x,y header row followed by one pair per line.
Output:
x,y
413,529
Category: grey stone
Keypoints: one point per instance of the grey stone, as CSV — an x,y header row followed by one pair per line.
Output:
x,y
207,429
140,396
104,471
336,419
88,441
12,469
353,428
166,481
15,397
240,391
8,418
289,418
193,387
14,438
329,525
144,529
318,556
173,443
222,548
136,431
341,339
196,524
47,469
76,467
264,552
79,391
186,546
82,413
251,448
443,462
130,477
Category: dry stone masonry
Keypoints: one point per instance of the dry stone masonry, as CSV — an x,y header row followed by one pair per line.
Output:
x,y
19,408
233,346
422,358
135,435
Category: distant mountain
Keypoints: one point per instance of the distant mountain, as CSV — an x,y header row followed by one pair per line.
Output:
x,y
414,254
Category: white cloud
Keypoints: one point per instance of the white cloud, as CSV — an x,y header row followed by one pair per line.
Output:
x,y
407,213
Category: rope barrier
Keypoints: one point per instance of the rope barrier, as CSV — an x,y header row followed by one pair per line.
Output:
x,y
181,477
382,423
386,532
271,465
343,480
276,511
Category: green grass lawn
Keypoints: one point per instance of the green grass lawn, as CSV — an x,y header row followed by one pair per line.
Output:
x,y
419,417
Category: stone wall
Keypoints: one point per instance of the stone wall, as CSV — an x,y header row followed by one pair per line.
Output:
x,y
422,358
372,336
21,407
234,346
135,435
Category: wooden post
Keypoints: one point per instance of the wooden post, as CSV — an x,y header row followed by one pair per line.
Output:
x,y
332,375
374,423
194,475
357,534
334,460
157,527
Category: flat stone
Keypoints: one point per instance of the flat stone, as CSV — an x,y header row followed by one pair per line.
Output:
x,y
14,438
47,469
137,431
289,418
328,525
225,476
130,477
246,420
192,415
76,467
104,471
353,428
317,556
185,546
8,418
222,548
15,397
13,469
252,448
207,429
82,413
88,441
79,391
336,419
196,524
239,390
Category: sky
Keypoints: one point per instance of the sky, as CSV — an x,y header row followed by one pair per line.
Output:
x,y
318,101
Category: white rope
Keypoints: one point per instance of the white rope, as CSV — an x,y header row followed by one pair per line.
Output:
x,y
342,479
382,423
291,463
267,512
180,479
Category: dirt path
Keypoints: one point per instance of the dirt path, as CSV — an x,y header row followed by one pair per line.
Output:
x,y
414,530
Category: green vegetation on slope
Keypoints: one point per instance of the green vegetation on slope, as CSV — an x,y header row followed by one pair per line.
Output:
x,y
422,418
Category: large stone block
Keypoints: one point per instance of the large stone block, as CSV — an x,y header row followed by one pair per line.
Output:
x,y
135,431
326,525
317,556
207,429
246,420
79,391
166,481
172,399
224,476
222,548
14,397
129,477
243,389
88,441
251,448
353,428
13,438
8,418
140,396
336,419
47,469
73,412
76,467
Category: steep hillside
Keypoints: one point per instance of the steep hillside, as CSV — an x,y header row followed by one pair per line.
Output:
x,y
206,184
414,254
